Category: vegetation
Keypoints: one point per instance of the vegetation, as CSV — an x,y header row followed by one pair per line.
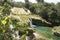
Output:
x,y
47,11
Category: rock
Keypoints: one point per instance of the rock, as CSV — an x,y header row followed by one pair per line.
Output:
x,y
19,11
38,36
57,34
27,38
56,31
15,17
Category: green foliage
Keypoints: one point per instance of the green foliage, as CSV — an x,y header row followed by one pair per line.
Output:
x,y
27,4
4,19
40,1
18,4
58,8
23,37
48,11
26,1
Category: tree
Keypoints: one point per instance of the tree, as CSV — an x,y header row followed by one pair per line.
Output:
x,y
19,4
39,1
48,11
26,1
58,8
27,4
4,19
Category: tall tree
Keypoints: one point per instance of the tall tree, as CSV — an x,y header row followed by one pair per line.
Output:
x,y
26,1
58,8
40,1
27,4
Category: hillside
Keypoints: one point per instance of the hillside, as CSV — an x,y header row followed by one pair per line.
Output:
x,y
25,18
29,21
44,32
